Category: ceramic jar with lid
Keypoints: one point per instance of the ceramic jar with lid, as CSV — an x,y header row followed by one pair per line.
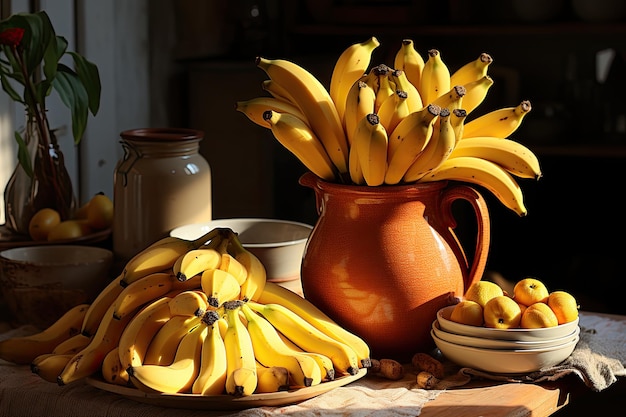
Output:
x,y
162,182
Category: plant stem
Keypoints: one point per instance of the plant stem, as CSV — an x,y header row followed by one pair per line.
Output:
x,y
47,139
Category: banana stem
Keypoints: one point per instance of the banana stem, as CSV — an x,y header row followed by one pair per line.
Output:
x,y
210,317
205,238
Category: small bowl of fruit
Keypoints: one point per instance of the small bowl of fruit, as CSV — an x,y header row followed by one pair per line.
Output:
x,y
489,321
90,223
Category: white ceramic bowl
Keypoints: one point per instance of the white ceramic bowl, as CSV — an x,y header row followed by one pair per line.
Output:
x,y
279,244
498,343
505,361
40,283
526,335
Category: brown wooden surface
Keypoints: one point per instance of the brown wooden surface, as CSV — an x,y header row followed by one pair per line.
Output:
x,y
509,399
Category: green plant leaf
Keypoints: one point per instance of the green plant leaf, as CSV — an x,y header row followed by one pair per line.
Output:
x,y
53,54
8,88
90,77
74,96
38,55
42,90
15,66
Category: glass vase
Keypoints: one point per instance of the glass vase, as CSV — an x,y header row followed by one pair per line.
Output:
x,y
49,187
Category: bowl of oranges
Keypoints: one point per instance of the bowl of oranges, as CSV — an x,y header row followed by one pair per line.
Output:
x,y
497,332
90,223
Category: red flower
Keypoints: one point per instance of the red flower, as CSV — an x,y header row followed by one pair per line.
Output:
x,y
11,36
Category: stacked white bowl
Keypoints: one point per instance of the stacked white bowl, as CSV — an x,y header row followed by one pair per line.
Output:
x,y
503,351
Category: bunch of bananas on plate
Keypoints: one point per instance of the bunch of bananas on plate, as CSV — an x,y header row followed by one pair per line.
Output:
x,y
194,317
384,125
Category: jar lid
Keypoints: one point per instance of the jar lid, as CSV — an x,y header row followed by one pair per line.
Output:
x,y
162,134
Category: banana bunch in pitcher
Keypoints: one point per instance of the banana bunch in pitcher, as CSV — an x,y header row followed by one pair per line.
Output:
x,y
193,317
407,123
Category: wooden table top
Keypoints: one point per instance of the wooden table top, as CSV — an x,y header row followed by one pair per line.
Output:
x,y
21,390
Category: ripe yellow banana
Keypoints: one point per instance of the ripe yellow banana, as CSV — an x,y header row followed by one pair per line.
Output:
x,y
356,172
99,307
414,100
189,303
276,294
159,257
435,79
140,330
178,377
407,140
140,292
476,91
72,345
511,155
112,369
436,151
257,274
49,365
349,67
370,143
500,123
410,61
271,350
241,376
220,286
308,337
472,71
278,91
484,173
386,87
89,360
255,107
162,347
327,368
360,102
211,379
394,109
299,139
195,262
457,119
271,379
234,267
315,102
452,99
22,350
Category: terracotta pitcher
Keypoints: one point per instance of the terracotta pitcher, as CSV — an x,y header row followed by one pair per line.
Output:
x,y
382,260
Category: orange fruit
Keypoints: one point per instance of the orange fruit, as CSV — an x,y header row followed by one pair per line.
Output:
x,y
529,291
81,212
502,312
483,291
69,229
564,306
467,312
100,212
537,316
42,222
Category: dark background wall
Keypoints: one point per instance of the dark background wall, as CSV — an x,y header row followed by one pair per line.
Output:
x,y
569,63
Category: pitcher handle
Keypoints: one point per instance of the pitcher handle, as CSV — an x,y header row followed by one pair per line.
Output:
x,y
464,192
308,179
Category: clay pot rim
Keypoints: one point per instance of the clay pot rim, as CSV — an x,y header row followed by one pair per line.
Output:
x,y
311,180
162,134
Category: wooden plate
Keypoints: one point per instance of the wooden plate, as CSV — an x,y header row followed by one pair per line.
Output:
x,y
225,402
